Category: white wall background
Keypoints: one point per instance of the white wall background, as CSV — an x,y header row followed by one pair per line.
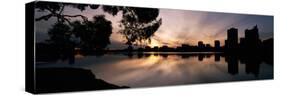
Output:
x,y
12,50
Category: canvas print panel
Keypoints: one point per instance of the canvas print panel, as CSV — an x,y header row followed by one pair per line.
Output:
x,y
94,47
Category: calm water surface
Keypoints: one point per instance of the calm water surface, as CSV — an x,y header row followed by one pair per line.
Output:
x,y
159,69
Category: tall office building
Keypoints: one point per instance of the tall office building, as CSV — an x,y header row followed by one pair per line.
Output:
x,y
201,45
252,40
232,38
217,44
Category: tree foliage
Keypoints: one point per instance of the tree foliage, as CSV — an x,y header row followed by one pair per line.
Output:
x,y
138,24
59,34
56,10
94,34
60,42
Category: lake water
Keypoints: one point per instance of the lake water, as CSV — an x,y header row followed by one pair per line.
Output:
x,y
169,68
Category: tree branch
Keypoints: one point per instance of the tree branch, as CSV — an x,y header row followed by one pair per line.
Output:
x,y
83,17
61,9
46,17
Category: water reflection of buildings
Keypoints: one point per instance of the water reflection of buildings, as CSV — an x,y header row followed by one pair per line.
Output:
x,y
217,57
232,62
252,63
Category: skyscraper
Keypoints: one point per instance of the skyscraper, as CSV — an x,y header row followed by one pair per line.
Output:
x,y
217,44
201,44
232,38
252,34
252,40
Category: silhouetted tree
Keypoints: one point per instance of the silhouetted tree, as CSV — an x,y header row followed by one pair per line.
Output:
x,y
60,38
59,34
93,34
56,9
138,24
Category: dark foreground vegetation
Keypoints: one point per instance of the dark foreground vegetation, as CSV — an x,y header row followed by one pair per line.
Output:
x,y
49,80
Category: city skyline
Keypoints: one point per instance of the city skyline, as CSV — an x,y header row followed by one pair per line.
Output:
x,y
178,26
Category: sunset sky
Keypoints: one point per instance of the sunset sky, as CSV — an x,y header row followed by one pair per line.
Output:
x,y
178,26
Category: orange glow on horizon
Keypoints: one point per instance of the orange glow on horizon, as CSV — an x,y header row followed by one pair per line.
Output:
x,y
154,43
